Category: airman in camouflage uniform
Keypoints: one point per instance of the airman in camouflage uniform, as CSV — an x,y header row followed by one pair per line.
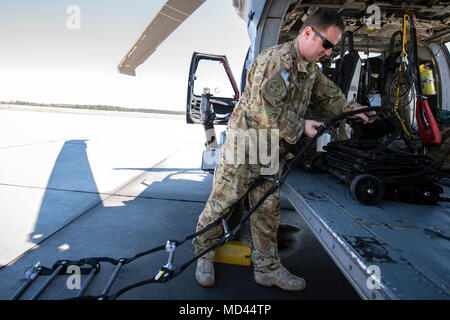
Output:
x,y
281,86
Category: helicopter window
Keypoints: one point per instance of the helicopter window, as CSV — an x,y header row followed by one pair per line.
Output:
x,y
211,74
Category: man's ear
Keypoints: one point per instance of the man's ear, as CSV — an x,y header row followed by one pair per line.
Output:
x,y
307,32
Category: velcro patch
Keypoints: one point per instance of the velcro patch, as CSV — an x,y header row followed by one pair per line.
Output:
x,y
275,89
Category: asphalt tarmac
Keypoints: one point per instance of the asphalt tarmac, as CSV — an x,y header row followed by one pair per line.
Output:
x,y
87,184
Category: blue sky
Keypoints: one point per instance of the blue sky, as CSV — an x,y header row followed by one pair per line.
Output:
x,y
41,60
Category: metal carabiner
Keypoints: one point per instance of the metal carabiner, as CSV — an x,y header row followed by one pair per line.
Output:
x,y
170,248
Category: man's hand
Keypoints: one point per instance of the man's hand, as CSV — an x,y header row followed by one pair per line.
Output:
x,y
311,127
364,116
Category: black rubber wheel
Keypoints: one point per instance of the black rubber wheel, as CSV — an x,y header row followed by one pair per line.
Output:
x,y
425,193
367,189
316,163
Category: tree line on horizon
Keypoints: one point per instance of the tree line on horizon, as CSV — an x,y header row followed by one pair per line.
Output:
x,y
90,107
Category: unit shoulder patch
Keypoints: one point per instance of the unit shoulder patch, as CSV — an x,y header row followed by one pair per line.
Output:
x,y
275,89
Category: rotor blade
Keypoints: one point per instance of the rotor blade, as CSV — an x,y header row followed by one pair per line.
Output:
x,y
172,14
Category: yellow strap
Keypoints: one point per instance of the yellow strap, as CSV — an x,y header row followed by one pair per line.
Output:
x,y
396,106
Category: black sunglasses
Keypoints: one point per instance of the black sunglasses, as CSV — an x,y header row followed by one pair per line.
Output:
x,y
325,43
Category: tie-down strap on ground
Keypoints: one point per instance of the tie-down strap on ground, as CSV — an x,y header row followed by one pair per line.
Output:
x,y
169,271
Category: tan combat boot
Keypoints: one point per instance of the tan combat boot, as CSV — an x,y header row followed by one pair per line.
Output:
x,y
280,277
205,269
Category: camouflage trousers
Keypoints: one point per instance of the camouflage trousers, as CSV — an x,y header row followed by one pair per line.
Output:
x,y
230,184
441,153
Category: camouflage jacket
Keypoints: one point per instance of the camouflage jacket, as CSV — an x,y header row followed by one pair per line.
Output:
x,y
281,88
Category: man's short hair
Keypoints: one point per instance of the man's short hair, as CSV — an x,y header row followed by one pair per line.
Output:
x,y
323,18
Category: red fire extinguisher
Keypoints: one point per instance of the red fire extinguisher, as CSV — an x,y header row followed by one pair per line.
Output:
x,y
428,129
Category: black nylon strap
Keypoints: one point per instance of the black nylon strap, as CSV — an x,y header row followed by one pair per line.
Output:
x,y
276,184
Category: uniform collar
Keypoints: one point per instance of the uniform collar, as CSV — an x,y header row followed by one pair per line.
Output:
x,y
295,51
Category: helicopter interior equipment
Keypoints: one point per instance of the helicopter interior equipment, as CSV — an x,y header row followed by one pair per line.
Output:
x,y
347,68
377,171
